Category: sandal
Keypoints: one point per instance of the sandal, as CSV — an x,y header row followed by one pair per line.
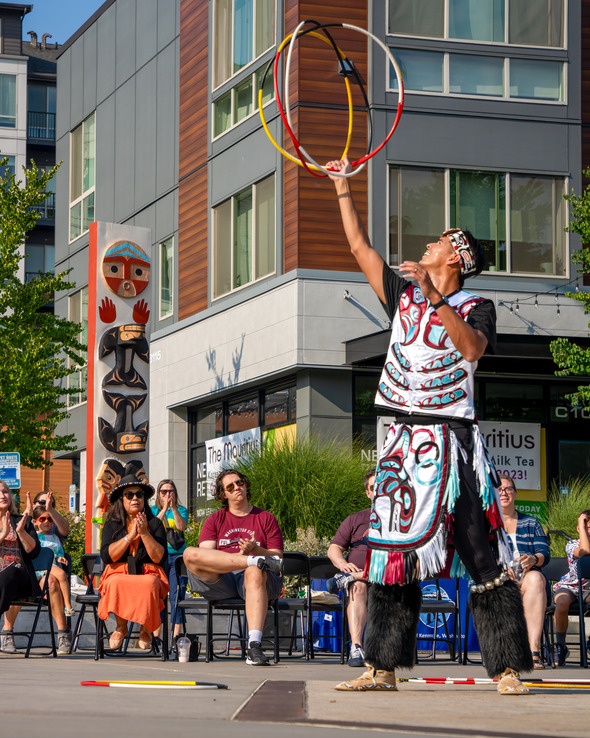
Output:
x,y
537,660
69,611
143,641
117,638
509,683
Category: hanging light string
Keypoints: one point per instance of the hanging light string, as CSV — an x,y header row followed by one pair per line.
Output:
x,y
514,305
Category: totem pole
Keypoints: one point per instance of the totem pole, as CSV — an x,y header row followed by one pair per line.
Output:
x,y
117,425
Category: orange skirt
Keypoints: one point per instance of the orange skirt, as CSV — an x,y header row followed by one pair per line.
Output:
x,y
138,598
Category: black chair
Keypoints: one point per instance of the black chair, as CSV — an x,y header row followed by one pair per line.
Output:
x,y
295,564
232,606
43,562
93,567
320,567
554,570
198,605
583,567
440,609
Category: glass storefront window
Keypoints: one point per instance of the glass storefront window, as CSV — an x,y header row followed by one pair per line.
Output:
x,y
517,402
279,406
243,415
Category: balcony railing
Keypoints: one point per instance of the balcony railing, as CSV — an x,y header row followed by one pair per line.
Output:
x,y
46,209
41,126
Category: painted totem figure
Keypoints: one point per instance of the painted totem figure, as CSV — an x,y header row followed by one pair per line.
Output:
x,y
119,371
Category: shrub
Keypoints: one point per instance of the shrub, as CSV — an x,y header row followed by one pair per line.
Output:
x,y
74,545
563,512
307,483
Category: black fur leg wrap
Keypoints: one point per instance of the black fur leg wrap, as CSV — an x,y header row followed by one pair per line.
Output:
x,y
498,617
390,639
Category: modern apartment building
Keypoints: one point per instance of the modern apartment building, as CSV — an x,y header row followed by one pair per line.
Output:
x,y
28,73
262,319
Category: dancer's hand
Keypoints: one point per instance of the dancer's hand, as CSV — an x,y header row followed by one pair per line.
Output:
x,y
414,270
339,165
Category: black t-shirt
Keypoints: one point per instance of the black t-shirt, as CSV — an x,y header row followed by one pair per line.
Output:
x,y
481,318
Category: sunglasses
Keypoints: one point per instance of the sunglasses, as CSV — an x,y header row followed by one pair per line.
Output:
x,y
44,519
131,495
232,485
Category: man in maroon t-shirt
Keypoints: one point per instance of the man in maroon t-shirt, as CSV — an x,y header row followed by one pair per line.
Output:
x,y
240,554
351,536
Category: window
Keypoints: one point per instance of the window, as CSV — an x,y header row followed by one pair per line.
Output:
x,y
241,101
78,312
244,238
82,177
469,74
7,169
519,219
530,22
41,113
243,30
270,407
166,303
7,101
39,258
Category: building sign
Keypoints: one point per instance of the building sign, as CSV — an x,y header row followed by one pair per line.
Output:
x,y
10,469
515,449
223,453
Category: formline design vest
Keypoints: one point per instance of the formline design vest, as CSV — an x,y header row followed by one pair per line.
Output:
x,y
424,373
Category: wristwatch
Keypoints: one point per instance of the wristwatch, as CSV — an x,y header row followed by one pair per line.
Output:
x,y
536,558
440,303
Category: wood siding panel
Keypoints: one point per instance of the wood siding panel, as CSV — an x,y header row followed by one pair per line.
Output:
x,y
193,138
57,477
313,233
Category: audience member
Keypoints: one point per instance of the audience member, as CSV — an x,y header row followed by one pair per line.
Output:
x,y
239,555
175,519
133,585
351,536
566,590
43,523
19,545
530,552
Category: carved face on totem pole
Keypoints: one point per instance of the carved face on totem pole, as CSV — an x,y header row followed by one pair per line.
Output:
x,y
126,269
108,477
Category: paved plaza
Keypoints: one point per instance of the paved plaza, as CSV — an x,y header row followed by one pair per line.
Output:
x,y
43,697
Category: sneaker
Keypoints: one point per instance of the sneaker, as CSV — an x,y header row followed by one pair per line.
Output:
x,y
274,564
338,582
560,654
255,655
509,683
372,680
357,656
7,643
64,642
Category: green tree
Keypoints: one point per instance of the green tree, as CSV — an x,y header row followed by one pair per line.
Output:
x,y
569,357
34,343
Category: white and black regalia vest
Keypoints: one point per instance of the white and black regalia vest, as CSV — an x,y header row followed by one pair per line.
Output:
x,y
418,474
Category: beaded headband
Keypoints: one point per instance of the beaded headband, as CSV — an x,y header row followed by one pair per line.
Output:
x,y
461,245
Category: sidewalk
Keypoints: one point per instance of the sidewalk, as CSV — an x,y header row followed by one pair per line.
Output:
x,y
43,696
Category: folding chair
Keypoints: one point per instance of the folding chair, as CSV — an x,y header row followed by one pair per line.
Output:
x,y
295,564
230,606
583,567
43,562
554,570
92,567
194,604
320,567
438,609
